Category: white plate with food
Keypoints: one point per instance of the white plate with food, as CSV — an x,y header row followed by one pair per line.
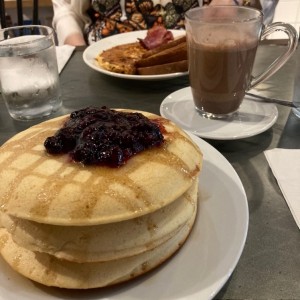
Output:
x,y
251,119
197,271
91,52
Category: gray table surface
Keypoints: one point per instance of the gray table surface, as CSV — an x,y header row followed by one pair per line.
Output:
x,y
269,267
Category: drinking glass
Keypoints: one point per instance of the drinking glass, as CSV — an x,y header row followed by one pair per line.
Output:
x,y
222,43
29,81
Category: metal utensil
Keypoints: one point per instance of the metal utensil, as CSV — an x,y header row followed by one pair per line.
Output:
x,y
270,100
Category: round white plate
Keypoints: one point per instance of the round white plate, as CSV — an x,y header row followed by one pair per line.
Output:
x,y
93,50
197,271
252,118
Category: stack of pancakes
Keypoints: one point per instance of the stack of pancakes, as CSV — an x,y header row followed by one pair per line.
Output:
x,y
74,226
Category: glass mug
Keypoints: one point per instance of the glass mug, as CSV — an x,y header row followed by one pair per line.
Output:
x,y
222,43
29,80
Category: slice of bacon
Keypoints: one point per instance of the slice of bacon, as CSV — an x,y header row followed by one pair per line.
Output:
x,y
156,36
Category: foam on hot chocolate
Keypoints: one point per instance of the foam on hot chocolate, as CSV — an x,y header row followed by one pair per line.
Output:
x,y
217,39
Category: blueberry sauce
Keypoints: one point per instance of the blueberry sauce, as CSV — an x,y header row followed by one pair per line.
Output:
x,y
103,136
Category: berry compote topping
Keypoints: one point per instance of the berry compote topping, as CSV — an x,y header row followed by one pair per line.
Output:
x,y
104,137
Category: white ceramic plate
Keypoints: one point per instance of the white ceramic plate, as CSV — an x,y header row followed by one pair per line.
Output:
x,y
252,118
119,39
197,271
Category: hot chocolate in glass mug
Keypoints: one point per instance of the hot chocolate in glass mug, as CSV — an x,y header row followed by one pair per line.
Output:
x,y
222,43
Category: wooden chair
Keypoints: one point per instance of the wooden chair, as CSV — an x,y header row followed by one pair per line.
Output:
x,y
19,12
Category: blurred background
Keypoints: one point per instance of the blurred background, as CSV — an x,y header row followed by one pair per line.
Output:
x,y
45,11
286,11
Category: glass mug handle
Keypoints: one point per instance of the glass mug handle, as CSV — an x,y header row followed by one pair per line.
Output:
x,y
282,59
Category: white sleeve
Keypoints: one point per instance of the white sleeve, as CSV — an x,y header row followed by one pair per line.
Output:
x,y
69,17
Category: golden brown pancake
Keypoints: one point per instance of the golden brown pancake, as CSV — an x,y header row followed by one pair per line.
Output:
x,y
48,270
52,189
107,241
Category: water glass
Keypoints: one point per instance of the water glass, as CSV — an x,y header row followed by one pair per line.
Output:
x,y
29,81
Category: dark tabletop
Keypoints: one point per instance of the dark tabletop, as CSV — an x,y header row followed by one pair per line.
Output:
x,y
269,267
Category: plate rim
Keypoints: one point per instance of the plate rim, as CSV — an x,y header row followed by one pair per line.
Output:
x,y
244,200
115,40
220,136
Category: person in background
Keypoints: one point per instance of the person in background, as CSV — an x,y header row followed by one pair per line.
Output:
x,y
81,22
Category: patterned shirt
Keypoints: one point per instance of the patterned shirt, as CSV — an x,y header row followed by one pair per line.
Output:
x,y
101,18
114,16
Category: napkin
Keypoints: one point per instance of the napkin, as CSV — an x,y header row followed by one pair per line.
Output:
x,y
285,165
63,54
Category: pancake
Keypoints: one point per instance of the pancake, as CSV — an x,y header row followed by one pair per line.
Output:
x,y
54,190
107,241
50,271
121,58
74,225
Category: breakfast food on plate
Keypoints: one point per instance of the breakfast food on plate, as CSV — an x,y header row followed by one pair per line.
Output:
x,y
165,59
171,44
97,197
158,53
121,59
166,68
106,241
155,37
